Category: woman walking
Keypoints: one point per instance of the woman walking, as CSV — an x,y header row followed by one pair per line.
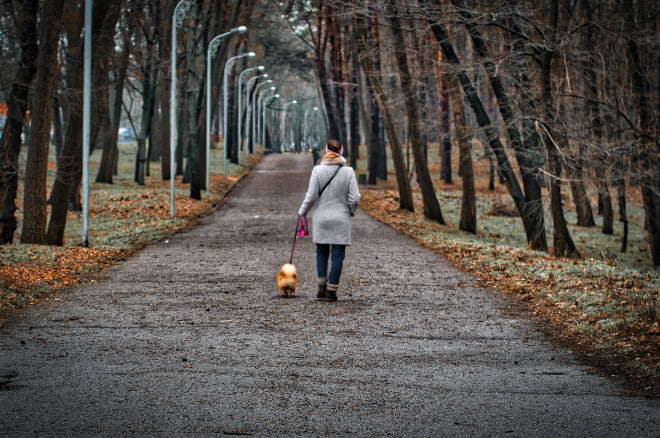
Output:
x,y
334,192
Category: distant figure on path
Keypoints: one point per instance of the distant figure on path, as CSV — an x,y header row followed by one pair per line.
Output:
x,y
315,154
335,193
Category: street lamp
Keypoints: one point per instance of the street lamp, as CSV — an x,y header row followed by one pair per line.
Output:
x,y
260,111
210,54
240,106
249,111
255,107
264,119
177,21
225,100
283,118
87,120
260,119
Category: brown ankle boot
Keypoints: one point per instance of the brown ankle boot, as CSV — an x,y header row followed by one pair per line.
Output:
x,y
331,292
322,290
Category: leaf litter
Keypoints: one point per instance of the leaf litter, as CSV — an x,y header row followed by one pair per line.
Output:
x,y
605,305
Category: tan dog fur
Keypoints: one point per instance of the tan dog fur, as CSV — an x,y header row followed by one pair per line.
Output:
x,y
287,280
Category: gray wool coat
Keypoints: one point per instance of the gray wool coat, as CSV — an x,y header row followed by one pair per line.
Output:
x,y
331,222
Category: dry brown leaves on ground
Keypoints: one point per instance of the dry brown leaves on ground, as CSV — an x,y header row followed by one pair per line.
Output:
x,y
631,351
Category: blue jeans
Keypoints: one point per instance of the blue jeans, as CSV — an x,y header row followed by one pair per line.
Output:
x,y
336,254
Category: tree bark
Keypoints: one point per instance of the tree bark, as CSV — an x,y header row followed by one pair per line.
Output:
x,y
354,107
324,24
35,214
109,139
58,128
432,209
649,150
468,221
369,69
69,170
493,139
585,216
10,144
525,149
148,100
563,242
109,154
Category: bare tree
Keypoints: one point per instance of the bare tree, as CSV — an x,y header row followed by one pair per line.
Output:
x,y
639,17
35,214
25,21
535,235
370,71
432,209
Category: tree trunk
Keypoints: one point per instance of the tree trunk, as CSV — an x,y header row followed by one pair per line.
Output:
x,y
585,216
432,209
58,128
35,214
377,169
563,243
649,150
69,170
354,106
10,143
525,150
164,84
367,64
524,207
468,221
109,151
109,154
605,202
231,136
336,71
620,184
445,142
374,139
324,76
148,99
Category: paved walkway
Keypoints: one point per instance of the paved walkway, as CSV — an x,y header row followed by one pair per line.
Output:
x,y
190,338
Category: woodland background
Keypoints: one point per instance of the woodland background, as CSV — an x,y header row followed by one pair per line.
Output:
x,y
548,109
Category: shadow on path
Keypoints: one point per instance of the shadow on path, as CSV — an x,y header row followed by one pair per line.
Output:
x,y
190,338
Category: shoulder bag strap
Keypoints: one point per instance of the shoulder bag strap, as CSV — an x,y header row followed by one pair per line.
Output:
x,y
331,178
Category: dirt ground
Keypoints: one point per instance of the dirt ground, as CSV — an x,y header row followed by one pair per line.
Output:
x,y
190,338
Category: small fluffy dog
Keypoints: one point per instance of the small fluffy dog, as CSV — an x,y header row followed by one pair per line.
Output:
x,y
287,280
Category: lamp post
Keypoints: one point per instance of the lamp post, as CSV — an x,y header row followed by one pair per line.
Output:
x,y
240,106
255,107
87,110
283,118
260,112
225,100
249,110
177,21
210,54
264,118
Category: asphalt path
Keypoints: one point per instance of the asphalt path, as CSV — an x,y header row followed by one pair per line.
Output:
x,y
190,338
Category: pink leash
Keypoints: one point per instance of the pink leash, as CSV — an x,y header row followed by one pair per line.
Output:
x,y
301,230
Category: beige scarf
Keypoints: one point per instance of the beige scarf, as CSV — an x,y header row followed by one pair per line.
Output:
x,y
333,158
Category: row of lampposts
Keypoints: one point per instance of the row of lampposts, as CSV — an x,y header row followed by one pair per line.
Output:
x,y
178,17
259,68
